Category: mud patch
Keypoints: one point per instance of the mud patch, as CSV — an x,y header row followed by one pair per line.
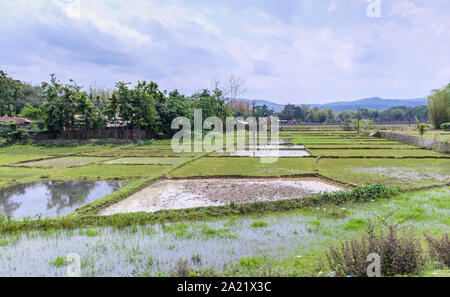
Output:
x,y
180,194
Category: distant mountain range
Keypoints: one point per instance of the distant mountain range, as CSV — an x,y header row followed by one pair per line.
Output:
x,y
369,103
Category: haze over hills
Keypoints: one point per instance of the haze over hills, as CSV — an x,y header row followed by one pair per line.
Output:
x,y
369,103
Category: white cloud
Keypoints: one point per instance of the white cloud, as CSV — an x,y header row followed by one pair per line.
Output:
x,y
308,51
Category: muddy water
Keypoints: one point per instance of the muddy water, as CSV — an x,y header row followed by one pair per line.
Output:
x,y
51,198
180,194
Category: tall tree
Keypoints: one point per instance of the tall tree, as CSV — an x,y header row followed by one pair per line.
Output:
x,y
10,91
136,106
439,106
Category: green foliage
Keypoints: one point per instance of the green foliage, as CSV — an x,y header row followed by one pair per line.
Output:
x,y
445,126
59,262
398,113
66,107
259,224
32,113
439,106
136,106
422,128
175,105
10,91
358,195
14,133
305,114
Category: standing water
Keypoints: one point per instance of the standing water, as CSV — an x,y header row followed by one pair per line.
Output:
x,y
52,198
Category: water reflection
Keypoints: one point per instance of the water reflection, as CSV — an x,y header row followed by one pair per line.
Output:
x,y
52,198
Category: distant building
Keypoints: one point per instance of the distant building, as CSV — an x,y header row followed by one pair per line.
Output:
x,y
19,120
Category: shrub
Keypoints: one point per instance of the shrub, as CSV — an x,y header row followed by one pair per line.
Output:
x,y
399,254
363,194
439,248
422,128
445,126
13,132
181,269
348,127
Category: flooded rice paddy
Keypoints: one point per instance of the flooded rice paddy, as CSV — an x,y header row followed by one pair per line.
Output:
x,y
270,153
179,194
154,250
51,198
220,244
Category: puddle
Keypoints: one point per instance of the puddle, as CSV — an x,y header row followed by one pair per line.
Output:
x,y
180,194
271,153
277,147
52,198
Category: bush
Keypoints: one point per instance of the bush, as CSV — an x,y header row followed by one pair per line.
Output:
x,y
14,133
422,128
439,248
399,254
363,194
445,126
348,127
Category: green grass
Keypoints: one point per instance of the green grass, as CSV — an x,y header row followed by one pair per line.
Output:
x,y
6,159
59,262
355,224
259,224
406,173
362,146
10,175
377,153
147,161
64,162
89,233
105,172
245,167
129,152
52,150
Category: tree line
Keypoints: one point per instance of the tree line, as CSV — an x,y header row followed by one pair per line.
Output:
x,y
66,106
305,114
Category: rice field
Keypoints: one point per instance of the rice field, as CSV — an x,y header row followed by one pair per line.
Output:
x,y
208,239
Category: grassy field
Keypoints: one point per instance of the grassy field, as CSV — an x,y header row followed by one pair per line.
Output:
x,y
287,238
438,135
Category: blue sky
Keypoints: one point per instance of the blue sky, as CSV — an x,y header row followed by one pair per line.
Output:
x,y
288,51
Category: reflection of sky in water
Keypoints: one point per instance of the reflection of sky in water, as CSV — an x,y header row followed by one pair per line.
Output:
x,y
151,249
52,198
269,153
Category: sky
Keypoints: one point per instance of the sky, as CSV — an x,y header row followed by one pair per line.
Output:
x,y
287,51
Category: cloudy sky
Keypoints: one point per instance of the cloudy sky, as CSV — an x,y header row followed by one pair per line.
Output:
x,y
296,51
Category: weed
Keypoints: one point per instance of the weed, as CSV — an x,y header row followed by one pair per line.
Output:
x,y
59,262
439,248
259,224
355,224
399,254
90,233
